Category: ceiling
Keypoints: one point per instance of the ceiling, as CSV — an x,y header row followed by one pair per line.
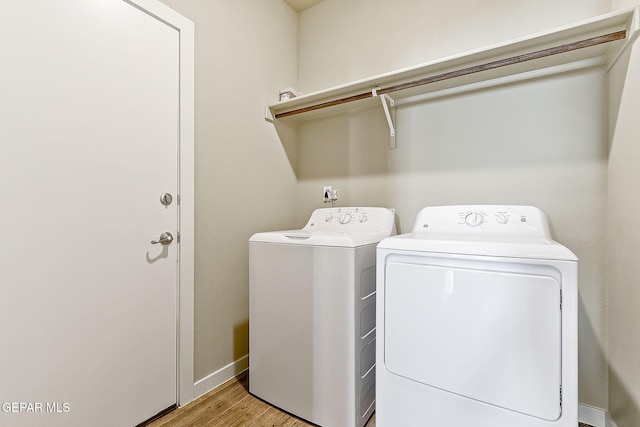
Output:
x,y
300,5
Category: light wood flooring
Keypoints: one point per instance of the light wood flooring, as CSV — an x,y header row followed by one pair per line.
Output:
x,y
231,405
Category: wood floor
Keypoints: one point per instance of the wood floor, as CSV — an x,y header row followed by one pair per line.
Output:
x,y
231,405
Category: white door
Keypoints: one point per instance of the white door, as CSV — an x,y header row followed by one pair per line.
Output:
x,y
88,144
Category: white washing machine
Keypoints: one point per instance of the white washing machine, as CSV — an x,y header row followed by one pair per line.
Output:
x,y
312,315
477,322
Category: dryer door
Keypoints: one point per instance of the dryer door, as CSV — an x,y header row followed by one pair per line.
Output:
x,y
485,330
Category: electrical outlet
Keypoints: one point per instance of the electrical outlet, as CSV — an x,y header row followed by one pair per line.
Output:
x,y
327,194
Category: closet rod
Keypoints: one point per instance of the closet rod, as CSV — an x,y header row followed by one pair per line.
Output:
x,y
594,41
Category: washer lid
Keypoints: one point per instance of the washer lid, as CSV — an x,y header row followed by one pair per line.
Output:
x,y
319,238
341,227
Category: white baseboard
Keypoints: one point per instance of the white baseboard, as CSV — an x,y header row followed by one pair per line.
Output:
x,y
594,416
213,380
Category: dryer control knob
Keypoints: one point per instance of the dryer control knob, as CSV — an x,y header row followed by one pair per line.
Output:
x,y
502,218
345,219
474,219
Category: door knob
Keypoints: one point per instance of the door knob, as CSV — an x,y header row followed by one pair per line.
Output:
x,y
165,239
166,199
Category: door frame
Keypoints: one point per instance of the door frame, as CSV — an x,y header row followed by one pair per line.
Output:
x,y
185,287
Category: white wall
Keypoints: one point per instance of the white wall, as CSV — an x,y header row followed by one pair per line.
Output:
x,y
624,239
245,52
346,40
541,143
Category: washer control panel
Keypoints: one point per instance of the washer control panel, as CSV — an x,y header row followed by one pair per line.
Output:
x,y
483,219
350,219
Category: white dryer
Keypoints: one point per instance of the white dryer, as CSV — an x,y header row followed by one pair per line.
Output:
x,y
312,315
476,322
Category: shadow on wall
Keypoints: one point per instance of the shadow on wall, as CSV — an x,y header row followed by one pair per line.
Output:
x,y
240,341
555,120
624,404
623,409
544,121
288,135
349,144
618,77
590,356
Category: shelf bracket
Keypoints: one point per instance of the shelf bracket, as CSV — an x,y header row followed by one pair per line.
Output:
x,y
268,116
634,32
390,114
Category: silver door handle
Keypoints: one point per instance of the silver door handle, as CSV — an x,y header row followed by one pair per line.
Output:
x,y
165,239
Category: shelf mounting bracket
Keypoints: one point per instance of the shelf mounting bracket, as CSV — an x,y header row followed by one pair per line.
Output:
x,y
268,116
390,114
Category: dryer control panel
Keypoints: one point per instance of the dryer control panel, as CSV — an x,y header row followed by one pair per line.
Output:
x,y
351,219
489,220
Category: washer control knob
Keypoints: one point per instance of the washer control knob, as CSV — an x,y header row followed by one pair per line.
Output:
x,y
345,219
474,219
